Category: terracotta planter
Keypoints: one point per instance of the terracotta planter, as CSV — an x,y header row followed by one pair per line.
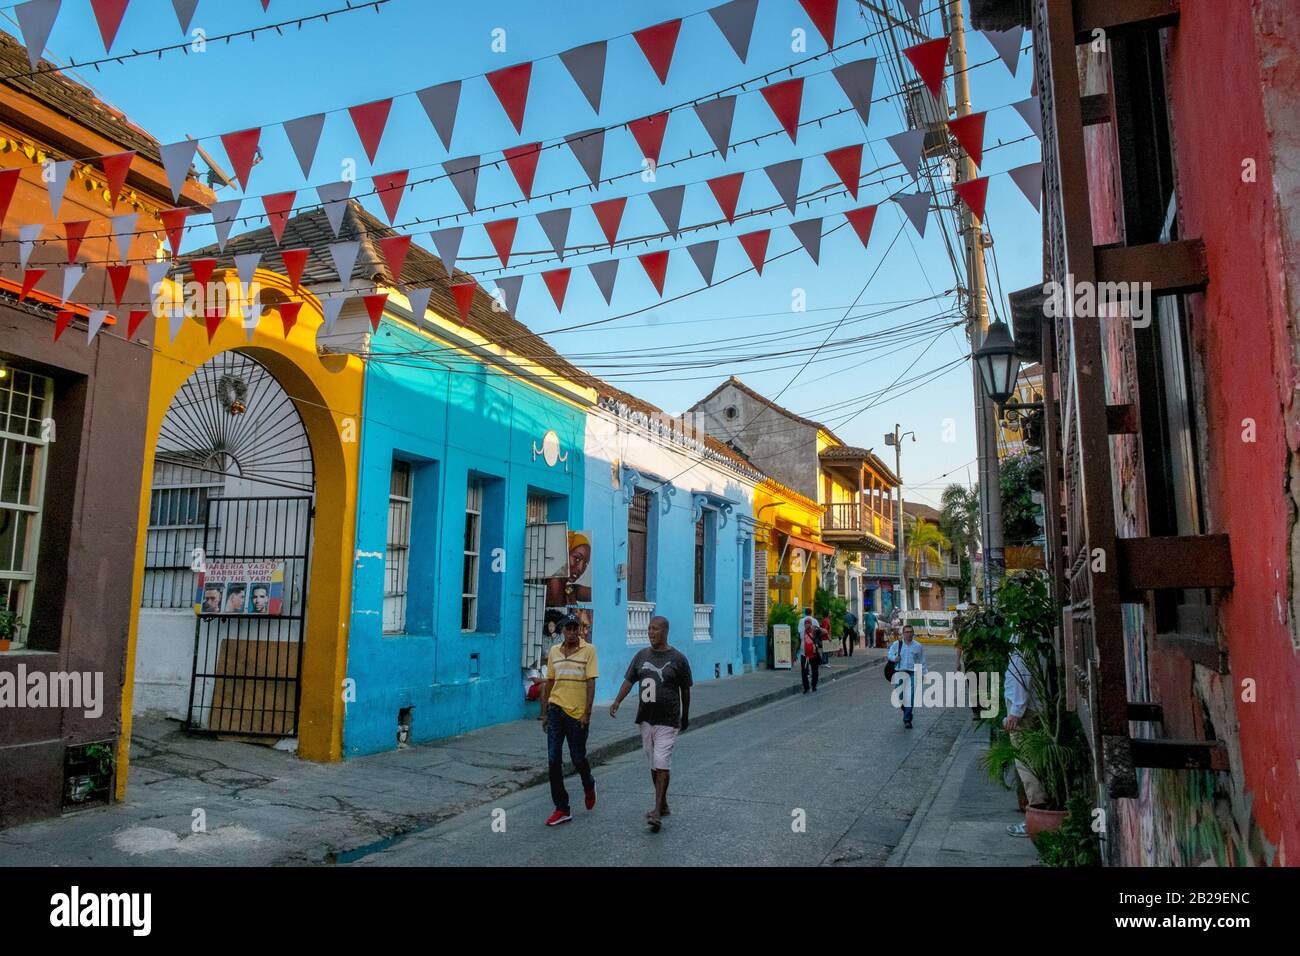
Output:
x,y
1038,820
4,644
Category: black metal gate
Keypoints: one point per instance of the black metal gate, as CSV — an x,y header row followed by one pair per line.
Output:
x,y
251,600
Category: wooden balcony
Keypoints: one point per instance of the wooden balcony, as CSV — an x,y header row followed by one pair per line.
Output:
x,y
855,527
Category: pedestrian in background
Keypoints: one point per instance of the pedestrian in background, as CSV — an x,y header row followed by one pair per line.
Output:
x,y
869,628
571,674
810,655
908,657
849,634
1019,694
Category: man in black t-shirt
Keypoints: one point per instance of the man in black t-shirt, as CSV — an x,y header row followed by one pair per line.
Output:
x,y
663,710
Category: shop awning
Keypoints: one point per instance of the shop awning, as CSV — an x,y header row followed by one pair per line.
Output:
x,y
797,542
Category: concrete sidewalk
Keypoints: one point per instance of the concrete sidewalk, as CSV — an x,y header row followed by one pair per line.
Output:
x,y
963,820
195,801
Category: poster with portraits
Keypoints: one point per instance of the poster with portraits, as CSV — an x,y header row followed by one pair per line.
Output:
x,y
240,587
571,583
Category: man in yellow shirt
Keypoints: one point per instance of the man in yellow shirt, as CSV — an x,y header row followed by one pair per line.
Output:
x,y
571,674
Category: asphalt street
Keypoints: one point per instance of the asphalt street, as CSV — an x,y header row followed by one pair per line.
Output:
x,y
830,778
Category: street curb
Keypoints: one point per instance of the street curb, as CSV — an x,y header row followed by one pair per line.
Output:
x,y
918,818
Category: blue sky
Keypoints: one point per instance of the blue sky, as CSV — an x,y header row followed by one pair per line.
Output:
x,y
411,44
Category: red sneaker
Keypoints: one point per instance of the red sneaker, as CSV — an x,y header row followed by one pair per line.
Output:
x,y
591,798
558,817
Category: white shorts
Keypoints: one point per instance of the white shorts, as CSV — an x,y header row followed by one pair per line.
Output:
x,y
658,742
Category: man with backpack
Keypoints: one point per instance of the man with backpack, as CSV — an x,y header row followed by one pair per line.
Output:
x,y
907,658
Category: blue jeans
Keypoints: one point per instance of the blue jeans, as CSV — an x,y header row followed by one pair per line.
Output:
x,y
909,695
559,728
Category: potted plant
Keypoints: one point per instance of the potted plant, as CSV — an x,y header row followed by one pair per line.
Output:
x,y
10,622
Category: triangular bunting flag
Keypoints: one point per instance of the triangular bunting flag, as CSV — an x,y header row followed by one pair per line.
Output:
x,y
27,236
463,293
586,64
861,220
510,287
75,232
71,276
389,187
604,274
447,242
913,8
1029,179
809,234
973,193
418,299
717,116
60,171
705,256
589,149
123,232
35,20
609,213
510,84
557,282
30,278
329,310
134,318
155,272
334,199
502,234
212,319
522,161
555,223
246,267
440,104
969,133
289,315
8,182
847,163
917,208
649,134
177,159
184,12
785,98
857,79
173,221
278,206
118,276
1006,44
108,14
668,203
907,146
241,148
736,21
202,271
1031,113
295,260
657,43
928,59
223,217
115,169
394,250
304,136
463,174
785,179
375,307
95,322
726,190
656,267
370,119
755,246
822,14
344,255
62,319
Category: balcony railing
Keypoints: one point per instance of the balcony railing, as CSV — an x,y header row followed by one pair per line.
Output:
x,y
638,621
880,567
857,518
703,630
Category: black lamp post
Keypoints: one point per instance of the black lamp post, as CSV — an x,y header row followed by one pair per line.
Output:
x,y
998,363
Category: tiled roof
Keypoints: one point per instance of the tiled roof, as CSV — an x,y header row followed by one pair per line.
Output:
x,y
737,383
918,510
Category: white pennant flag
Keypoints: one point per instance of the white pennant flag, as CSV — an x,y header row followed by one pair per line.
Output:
x,y
59,170
71,276
95,323
329,309
344,255
223,217
124,232
419,299
27,236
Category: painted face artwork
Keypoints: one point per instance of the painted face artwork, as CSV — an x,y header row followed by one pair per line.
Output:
x,y
579,558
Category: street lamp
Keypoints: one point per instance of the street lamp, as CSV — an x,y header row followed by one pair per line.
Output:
x,y
998,363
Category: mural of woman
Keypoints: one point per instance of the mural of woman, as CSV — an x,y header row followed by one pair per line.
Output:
x,y
562,591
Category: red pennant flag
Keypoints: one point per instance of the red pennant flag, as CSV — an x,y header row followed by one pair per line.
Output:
x,y
784,98
289,315
115,169
657,43
755,244
394,250
973,194
8,180
822,14
370,120
928,59
969,132
656,267
726,190
375,306
212,319
277,206
557,281
133,321
117,277
847,163
609,213
108,14
30,278
61,321
463,292
511,87
173,221
241,147
202,269
502,234
523,163
861,221
390,187
75,231
295,260
649,134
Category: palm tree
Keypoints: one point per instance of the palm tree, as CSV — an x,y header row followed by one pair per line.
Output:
x,y
924,542
960,521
